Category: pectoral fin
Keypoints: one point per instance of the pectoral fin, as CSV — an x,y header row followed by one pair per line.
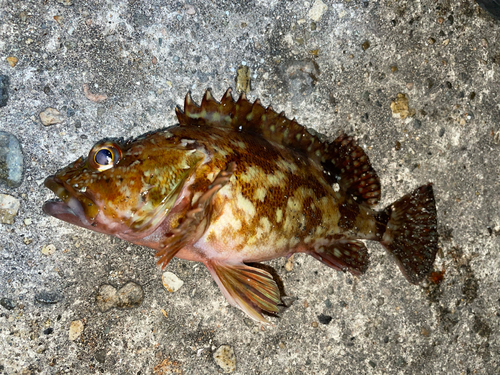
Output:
x,y
194,222
252,290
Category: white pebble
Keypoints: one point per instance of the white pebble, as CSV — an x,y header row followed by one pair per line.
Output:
x,y
48,249
75,329
224,357
171,282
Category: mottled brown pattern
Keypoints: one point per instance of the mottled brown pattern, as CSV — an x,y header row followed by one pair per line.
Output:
x,y
348,214
238,183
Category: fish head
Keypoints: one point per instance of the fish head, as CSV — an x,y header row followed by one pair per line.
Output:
x,y
123,188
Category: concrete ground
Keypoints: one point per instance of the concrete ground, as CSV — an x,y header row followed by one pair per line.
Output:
x,y
336,65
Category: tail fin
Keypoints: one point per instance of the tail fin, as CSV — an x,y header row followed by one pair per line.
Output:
x,y
411,235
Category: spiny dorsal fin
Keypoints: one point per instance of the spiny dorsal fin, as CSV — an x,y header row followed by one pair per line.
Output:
x,y
344,162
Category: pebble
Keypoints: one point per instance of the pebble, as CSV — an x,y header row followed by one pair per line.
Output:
x,y
48,298
51,116
289,264
12,60
97,98
7,303
106,297
400,108
9,206
171,282
317,10
324,319
48,250
130,296
75,329
365,45
11,160
4,90
101,111
243,79
224,358
190,10
27,221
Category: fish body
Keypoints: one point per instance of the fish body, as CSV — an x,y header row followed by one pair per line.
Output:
x,y
235,184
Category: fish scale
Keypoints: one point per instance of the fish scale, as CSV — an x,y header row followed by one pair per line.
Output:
x,y
235,184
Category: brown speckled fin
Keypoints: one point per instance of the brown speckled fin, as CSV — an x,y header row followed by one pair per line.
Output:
x,y
344,255
343,160
194,221
411,235
252,290
352,170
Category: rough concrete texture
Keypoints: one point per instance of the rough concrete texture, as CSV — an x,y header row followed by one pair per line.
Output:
x,y
339,72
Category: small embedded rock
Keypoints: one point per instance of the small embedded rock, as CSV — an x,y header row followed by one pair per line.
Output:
x,y
324,319
7,303
243,79
11,160
106,298
51,116
12,60
48,249
4,87
224,358
171,282
400,108
130,296
97,98
365,45
48,298
9,206
75,329
289,264
317,10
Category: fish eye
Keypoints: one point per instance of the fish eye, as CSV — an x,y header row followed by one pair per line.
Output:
x,y
104,156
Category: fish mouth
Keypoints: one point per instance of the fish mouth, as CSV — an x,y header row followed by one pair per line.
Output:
x,y
69,208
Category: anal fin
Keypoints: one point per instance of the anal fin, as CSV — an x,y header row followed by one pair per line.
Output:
x,y
251,289
344,255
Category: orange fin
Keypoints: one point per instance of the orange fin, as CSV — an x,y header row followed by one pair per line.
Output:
x,y
411,235
251,289
343,160
344,255
193,222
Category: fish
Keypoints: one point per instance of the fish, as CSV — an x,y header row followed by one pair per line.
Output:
x,y
235,184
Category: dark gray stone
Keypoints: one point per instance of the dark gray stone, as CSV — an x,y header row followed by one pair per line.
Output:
x,y
4,90
11,160
48,298
7,303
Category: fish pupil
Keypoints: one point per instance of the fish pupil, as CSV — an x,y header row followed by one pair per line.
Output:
x,y
104,157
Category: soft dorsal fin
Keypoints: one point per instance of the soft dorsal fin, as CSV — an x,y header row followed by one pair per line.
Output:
x,y
343,161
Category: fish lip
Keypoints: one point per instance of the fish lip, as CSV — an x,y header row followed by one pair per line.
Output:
x,y
68,208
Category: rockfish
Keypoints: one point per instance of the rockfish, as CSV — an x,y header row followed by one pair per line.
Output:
x,y
235,184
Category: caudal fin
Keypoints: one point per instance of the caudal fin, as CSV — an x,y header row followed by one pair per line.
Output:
x,y
411,235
